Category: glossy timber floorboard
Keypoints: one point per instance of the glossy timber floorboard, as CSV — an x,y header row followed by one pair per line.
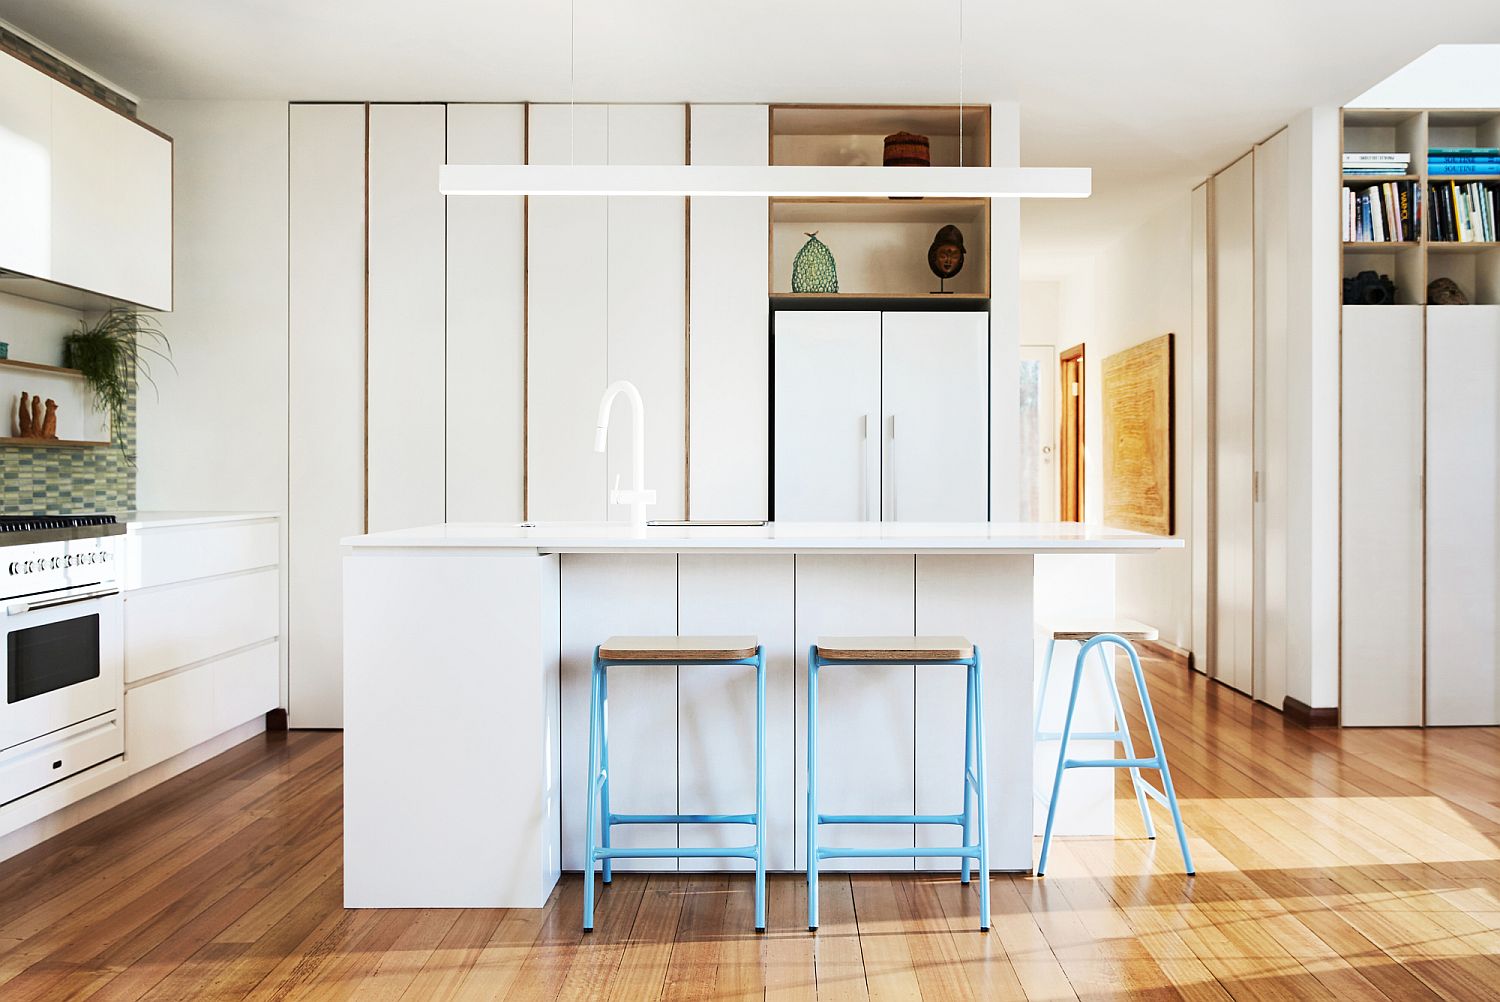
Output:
x,y
1344,865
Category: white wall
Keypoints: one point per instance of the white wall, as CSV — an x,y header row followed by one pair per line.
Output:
x,y
214,434
1140,289
1005,321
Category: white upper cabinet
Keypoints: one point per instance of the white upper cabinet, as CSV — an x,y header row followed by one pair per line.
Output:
x,y
85,195
25,168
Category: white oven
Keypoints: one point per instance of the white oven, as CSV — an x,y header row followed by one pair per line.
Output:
x,y
61,654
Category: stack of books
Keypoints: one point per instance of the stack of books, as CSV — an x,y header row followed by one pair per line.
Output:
x,y
1383,213
1369,164
1463,212
1448,161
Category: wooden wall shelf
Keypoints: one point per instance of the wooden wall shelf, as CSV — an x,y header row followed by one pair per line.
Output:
x,y
77,418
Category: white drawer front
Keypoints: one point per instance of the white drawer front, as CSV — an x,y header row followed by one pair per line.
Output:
x,y
184,552
168,716
167,628
172,714
246,685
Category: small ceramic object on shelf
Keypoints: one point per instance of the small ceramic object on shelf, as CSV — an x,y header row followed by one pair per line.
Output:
x,y
946,255
813,269
907,149
35,419
4,350
23,416
1445,292
49,422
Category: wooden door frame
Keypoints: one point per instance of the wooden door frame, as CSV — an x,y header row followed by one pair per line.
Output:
x,y
1071,449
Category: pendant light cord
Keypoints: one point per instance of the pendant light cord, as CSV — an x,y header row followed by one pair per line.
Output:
x,y
960,83
572,123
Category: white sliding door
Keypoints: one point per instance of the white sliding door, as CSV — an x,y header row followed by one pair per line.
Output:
x,y
935,429
407,320
1201,543
729,382
1234,395
486,323
326,500
567,323
1381,539
1463,552
827,425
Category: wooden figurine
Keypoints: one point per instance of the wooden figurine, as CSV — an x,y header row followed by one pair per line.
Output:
x,y
49,422
36,417
23,417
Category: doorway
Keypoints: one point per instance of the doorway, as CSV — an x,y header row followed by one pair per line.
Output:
x,y
1070,434
1039,433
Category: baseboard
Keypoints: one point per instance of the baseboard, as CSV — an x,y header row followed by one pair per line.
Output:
x,y
1299,712
1163,651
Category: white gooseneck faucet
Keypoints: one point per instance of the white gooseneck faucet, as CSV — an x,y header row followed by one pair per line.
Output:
x,y
639,496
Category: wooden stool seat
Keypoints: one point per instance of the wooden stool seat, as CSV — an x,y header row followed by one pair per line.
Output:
x,y
694,649
912,649
1129,629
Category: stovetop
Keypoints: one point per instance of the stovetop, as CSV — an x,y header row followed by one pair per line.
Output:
x,y
18,529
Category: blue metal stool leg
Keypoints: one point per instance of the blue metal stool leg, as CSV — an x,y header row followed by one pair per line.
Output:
x,y
982,794
812,787
605,836
588,859
1161,759
760,790
1122,725
1062,760
968,765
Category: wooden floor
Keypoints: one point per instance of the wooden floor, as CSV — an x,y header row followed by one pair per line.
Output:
x,y
1334,865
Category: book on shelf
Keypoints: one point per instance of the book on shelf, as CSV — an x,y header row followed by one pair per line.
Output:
x,y
1389,212
1377,158
1463,212
1443,161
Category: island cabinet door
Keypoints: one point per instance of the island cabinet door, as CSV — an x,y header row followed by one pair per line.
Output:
x,y
935,424
827,417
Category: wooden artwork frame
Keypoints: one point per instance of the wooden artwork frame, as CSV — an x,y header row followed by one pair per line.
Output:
x,y
1136,387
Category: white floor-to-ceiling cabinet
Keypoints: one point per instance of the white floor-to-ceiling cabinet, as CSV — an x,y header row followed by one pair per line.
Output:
x,y
326,395
881,416
1381,541
606,300
1463,515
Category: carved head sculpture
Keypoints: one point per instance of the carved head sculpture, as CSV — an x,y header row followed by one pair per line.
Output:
x,y
946,255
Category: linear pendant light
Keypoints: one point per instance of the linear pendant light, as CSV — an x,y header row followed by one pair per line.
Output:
x,y
769,181
761,182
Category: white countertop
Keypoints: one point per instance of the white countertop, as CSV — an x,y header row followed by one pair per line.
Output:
x,y
773,537
163,519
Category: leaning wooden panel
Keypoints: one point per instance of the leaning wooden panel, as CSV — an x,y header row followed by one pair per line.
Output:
x,y
1138,460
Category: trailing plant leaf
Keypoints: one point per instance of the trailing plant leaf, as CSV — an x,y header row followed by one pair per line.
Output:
x,y
118,345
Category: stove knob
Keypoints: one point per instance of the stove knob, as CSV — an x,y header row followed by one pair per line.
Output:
x,y
30,566
14,568
67,561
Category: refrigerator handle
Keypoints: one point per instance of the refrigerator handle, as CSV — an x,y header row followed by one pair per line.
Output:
x,y
890,465
864,468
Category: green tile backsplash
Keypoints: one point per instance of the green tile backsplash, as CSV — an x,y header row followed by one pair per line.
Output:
x,y
96,479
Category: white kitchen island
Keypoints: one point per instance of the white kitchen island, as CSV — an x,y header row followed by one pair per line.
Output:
x,y
467,652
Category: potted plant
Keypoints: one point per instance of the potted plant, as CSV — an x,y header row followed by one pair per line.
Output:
x,y
112,350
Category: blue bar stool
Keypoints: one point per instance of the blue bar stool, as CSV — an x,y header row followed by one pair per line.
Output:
x,y
974,822
1099,641
719,651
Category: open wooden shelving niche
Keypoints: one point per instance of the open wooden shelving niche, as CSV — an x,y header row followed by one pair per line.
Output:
x,y
1412,265
879,245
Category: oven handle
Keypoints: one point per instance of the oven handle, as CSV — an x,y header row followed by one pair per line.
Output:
x,y
22,608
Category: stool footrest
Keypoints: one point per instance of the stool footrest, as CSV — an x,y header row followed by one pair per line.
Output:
x,y
903,852
890,819
1112,763
675,852
681,819
1115,736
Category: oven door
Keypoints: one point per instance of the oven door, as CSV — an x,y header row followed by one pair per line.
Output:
x,y
61,662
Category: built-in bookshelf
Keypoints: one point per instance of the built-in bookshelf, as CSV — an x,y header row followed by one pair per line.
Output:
x,y
1434,184
879,245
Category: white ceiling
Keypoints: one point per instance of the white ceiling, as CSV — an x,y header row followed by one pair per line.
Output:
x,y
1152,95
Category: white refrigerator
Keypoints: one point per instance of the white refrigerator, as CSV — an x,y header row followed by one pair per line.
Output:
x,y
881,416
